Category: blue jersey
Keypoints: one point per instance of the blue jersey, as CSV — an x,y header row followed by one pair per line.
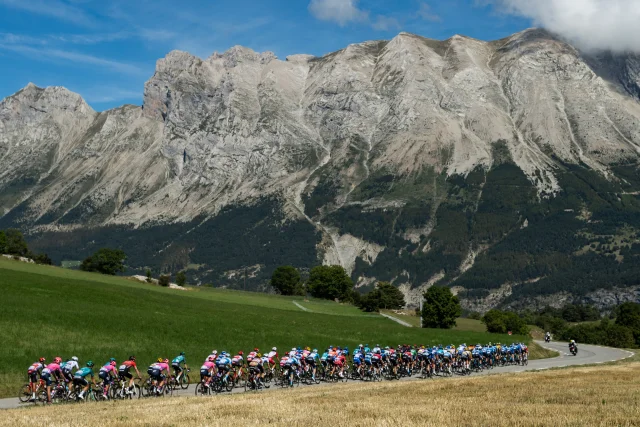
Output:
x,y
178,360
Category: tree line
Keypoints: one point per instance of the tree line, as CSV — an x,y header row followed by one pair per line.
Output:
x,y
12,242
582,323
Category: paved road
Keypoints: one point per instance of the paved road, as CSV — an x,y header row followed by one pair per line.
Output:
x,y
587,354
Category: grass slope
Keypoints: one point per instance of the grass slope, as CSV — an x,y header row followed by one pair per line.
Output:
x,y
602,395
47,311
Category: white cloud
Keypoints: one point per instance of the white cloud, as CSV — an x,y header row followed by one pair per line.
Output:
x,y
79,58
590,24
427,14
53,8
385,23
339,11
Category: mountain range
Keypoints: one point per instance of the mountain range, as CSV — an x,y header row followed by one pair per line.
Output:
x,y
507,170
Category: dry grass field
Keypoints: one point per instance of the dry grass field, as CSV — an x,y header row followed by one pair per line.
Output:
x,y
589,396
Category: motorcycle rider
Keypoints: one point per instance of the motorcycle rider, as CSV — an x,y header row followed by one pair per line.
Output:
x,y
547,337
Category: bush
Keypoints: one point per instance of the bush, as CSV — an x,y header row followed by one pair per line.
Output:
x,y
164,280
41,259
385,296
286,281
502,322
105,261
440,308
149,278
330,282
604,333
475,315
181,278
12,242
628,315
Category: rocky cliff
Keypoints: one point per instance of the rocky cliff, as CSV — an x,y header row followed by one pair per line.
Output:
x,y
475,164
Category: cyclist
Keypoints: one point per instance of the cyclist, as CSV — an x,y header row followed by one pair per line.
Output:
x,y
156,370
252,354
312,361
175,364
213,354
107,374
33,372
48,371
80,378
67,368
124,371
207,369
273,357
223,363
256,368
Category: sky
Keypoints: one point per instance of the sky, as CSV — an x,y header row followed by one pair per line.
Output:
x,y
106,49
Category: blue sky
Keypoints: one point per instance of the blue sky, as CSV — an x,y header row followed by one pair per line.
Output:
x,y
106,49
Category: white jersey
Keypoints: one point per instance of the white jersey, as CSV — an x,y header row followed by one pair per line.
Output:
x,y
69,365
272,354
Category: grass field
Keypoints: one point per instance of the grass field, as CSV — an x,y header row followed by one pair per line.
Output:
x,y
48,311
602,395
463,324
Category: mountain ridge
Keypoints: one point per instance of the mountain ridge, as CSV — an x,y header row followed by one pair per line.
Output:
x,y
378,154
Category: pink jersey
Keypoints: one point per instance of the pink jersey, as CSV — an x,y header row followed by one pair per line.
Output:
x,y
208,365
284,360
52,368
163,366
109,368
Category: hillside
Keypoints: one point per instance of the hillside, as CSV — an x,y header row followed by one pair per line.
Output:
x,y
49,311
506,169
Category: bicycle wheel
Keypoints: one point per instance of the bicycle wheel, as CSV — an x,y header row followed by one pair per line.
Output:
x,y
185,381
25,393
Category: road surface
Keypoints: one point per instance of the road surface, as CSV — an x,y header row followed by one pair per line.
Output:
x,y
587,354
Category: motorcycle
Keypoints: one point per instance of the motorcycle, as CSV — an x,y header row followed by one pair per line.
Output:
x,y
573,349
547,338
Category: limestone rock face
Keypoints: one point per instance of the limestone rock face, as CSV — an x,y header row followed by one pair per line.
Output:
x,y
319,134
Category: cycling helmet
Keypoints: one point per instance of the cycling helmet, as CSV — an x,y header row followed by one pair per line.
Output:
x,y
74,358
259,354
182,353
274,349
57,360
241,352
159,360
307,349
112,363
214,352
132,358
293,349
166,360
360,346
42,360
315,350
377,345
256,349
90,364
113,359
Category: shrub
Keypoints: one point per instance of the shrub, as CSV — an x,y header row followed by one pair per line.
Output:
x,y
440,308
105,261
286,281
164,280
502,322
181,278
329,282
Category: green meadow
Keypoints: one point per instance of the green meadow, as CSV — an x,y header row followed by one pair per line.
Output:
x,y
48,311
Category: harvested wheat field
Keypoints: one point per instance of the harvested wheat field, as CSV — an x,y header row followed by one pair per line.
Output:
x,y
604,395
